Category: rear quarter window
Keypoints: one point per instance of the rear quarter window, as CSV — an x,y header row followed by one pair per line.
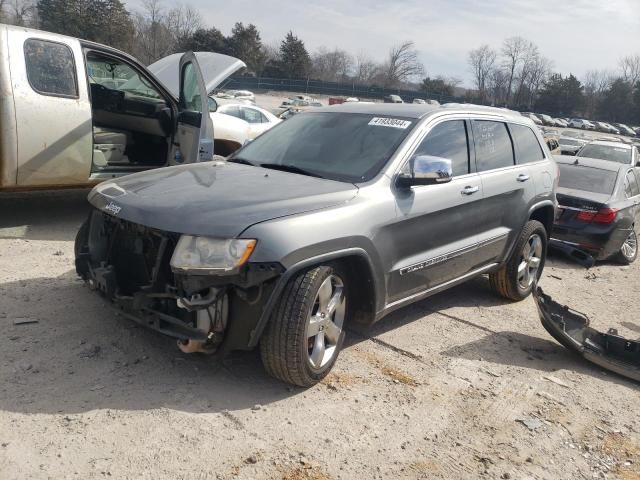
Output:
x,y
528,148
51,68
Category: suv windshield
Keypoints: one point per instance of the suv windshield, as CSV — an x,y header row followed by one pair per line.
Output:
x,y
587,179
348,147
606,152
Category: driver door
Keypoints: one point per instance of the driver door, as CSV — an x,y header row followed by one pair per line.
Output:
x,y
193,141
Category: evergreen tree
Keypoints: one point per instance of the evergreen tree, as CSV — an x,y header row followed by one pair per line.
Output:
x,y
617,102
295,61
206,40
245,44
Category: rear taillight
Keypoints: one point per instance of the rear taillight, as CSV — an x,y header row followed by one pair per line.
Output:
x,y
604,216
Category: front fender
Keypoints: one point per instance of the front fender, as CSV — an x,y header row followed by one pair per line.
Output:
x,y
294,269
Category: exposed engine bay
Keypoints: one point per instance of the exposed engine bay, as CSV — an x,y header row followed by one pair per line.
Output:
x,y
129,264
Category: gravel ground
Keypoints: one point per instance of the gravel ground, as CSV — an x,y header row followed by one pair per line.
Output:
x,y
462,385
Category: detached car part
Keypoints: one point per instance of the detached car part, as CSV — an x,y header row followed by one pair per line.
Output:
x,y
571,328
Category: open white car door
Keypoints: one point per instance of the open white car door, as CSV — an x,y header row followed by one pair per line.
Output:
x,y
198,74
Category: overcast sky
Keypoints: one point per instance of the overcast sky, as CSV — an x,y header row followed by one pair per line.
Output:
x,y
578,35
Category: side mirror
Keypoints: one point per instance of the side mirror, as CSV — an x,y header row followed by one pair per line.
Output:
x,y
213,105
426,170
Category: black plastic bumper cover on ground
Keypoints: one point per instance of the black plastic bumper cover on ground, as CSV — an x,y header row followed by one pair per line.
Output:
x,y
572,330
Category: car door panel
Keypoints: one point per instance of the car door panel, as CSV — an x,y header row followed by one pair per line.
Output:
x,y
508,190
435,235
52,109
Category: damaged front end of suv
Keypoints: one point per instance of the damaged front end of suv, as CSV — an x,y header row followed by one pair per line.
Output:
x,y
183,286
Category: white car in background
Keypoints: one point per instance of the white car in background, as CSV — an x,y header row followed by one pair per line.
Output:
x,y
258,119
582,124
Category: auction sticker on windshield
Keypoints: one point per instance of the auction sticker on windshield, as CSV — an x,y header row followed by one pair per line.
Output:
x,y
390,122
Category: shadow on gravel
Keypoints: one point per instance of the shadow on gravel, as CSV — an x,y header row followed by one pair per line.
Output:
x,y
80,356
51,215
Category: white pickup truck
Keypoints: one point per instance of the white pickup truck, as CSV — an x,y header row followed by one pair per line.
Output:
x,y
74,113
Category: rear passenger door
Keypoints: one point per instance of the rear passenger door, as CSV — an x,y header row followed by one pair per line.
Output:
x,y
433,240
508,187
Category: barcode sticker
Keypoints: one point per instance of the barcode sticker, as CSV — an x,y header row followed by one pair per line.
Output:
x,y
390,122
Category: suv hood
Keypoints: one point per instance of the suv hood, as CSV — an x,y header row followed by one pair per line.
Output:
x,y
215,67
216,199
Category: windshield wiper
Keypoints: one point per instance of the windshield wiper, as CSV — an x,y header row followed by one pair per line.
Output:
x,y
241,160
290,168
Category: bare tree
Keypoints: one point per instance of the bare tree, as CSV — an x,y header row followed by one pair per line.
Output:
x,y
529,60
402,64
365,69
596,83
496,84
630,67
331,66
154,36
18,12
183,21
482,61
539,72
513,49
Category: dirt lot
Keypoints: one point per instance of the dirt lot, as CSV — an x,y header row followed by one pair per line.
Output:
x,y
462,385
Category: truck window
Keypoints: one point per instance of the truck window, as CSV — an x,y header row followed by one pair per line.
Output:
x,y
51,69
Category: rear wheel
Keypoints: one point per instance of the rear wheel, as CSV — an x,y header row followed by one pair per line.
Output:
x,y
516,278
305,333
629,250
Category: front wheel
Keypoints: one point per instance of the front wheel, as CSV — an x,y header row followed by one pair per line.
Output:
x,y
305,332
516,278
629,250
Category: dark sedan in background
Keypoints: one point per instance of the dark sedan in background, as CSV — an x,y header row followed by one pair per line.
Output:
x,y
598,208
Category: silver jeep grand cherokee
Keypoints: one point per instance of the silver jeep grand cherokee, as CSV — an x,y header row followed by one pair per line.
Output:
x,y
336,216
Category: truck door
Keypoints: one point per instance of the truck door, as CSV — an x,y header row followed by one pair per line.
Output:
x,y
194,135
53,112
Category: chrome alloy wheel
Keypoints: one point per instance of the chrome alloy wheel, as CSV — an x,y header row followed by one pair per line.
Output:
x,y
530,261
630,245
325,322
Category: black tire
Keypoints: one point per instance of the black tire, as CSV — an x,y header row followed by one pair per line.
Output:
x,y
624,258
505,281
284,346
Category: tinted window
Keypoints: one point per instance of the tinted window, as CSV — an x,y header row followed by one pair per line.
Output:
x,y
348,147
493,145
606,152
630,185
529,150
448,140
576,177
50,68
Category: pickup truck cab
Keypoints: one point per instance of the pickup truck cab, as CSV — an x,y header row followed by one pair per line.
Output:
x,y
74,113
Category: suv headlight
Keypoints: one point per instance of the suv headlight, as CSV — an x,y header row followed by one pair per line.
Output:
x,y
210,255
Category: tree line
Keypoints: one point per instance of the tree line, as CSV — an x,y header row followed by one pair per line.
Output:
x,y
518,76
157,30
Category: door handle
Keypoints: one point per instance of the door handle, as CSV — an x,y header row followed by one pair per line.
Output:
x,y
522,177
469,190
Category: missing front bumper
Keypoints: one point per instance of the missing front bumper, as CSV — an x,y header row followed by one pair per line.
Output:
x,y
571,328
